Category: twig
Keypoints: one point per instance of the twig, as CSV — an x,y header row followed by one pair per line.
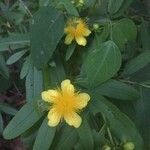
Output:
x,y
26,8
17,89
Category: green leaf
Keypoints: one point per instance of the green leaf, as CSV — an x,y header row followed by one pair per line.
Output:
x,y
118,90
23,120
79,146
1,124
70,51
99,138
57,70
125,6
137,63
7,109
114,6
3,68
50,23
33,83
85,135
145,35
89,3
5,84
103,35
15,57
43,3
69,7
102,63
123,31
121,126
44,137
142,115
14,42
25,68
29,140
66,138
47,78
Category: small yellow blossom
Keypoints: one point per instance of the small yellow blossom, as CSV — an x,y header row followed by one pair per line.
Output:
x,y
65,104
77,30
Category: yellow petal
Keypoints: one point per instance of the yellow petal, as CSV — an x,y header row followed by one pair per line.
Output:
x,y
86,32
73,119
81,40
49,96
54,118
66,86
82,30
82,100
69,30
69,39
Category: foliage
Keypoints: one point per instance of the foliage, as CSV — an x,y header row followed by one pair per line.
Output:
x,y
114,68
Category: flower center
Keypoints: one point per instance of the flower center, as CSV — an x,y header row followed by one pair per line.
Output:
x,y
65,104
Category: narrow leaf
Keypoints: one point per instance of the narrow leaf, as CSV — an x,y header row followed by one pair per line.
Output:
x,y
85,135
137,63
15,57
1,124
145,35
3,68
66,138
44,137
7,109
14,42
33,83
70,51
25,68
23,120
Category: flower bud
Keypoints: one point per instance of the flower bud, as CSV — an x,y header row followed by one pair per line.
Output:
x,y
95,26
80,3
129,146
72,1
106,147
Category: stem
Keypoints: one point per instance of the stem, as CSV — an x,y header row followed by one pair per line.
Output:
x,y
110,136
15,86
136,83
108,131
102,128
26,8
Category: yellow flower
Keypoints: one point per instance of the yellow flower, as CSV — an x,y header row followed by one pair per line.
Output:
x,y
77,30
66,104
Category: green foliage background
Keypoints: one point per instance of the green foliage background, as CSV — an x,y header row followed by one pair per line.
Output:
x,y
114,67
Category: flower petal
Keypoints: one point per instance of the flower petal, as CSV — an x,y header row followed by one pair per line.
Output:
x,y
73,119
66,86
49,96
86,32
82,100
69,30
81,40
53,117
69,39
